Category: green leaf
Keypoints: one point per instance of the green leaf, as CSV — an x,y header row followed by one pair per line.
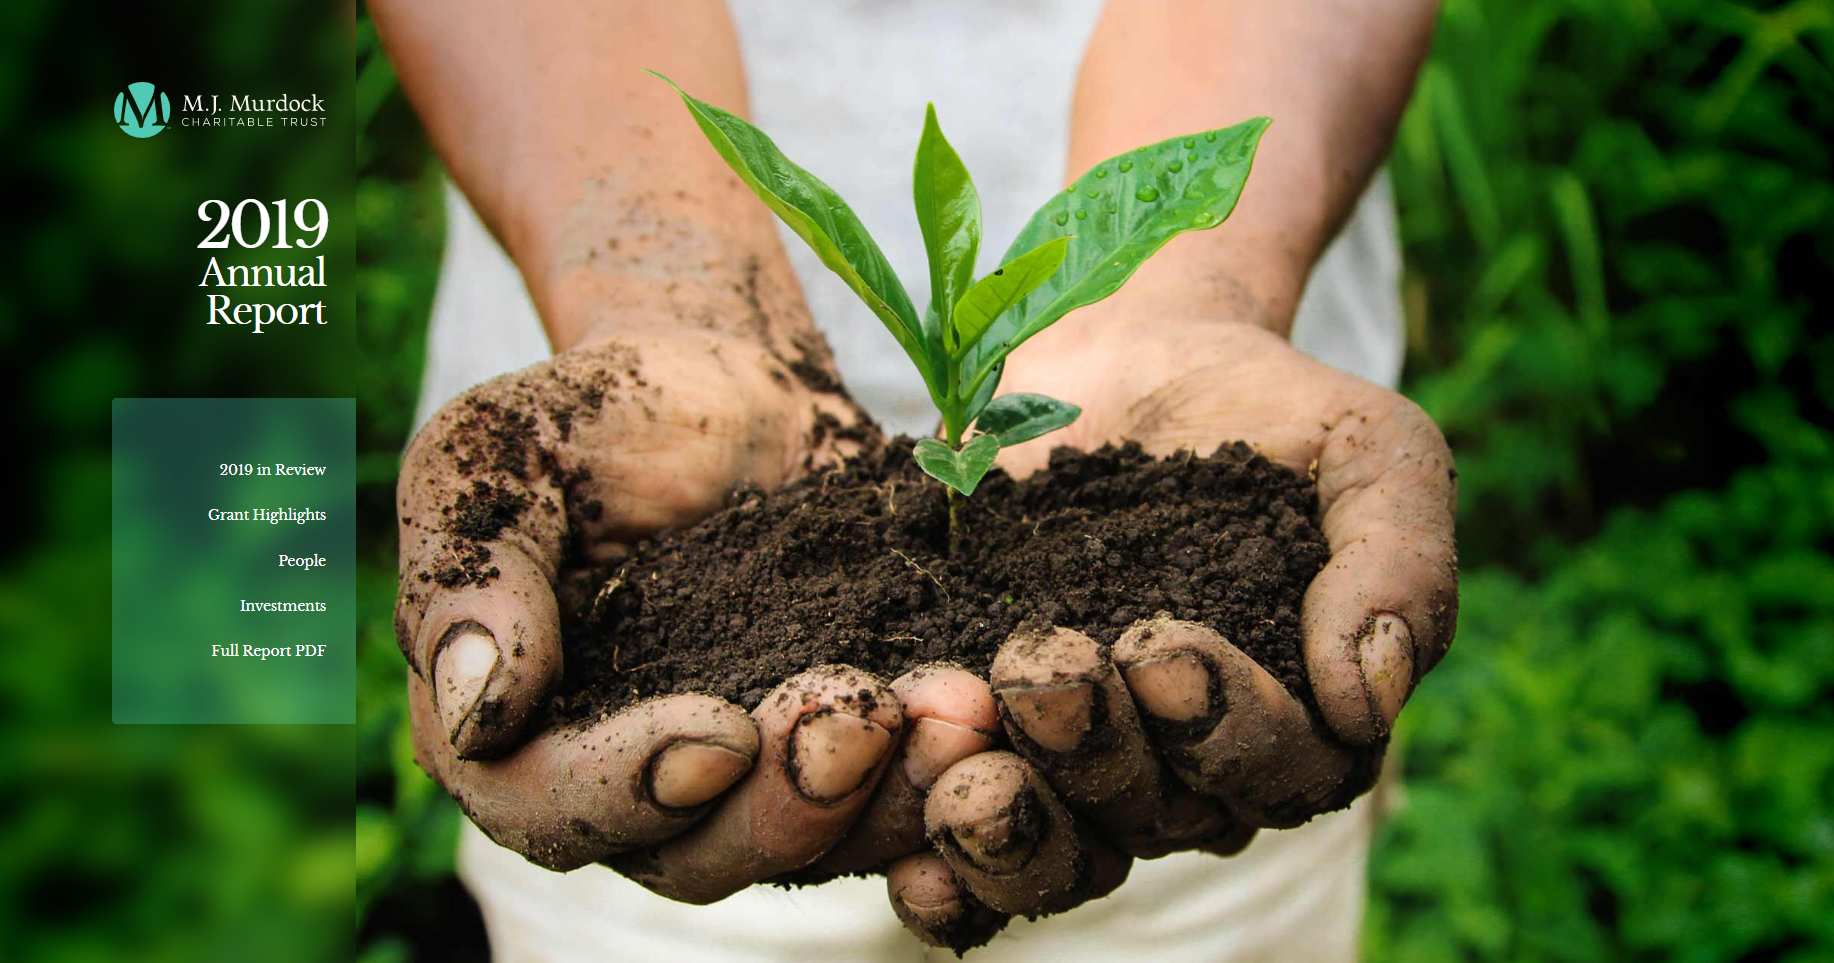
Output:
x,y
949,213
818,215
984,302
1120,212
1019,418
960,470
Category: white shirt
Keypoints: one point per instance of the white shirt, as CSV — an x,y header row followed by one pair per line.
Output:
x,y
843,93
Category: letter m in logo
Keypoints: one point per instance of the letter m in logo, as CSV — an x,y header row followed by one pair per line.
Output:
x,y
142,110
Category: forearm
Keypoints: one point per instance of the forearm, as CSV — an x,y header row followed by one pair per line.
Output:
x,y
1333,74
587,169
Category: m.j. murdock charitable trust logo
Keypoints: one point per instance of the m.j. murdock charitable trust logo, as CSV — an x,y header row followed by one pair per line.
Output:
x,y
142,110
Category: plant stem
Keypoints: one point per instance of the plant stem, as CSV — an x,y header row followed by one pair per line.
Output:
x,y
953,429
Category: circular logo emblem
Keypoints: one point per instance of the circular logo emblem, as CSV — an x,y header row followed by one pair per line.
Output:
x,y
142,110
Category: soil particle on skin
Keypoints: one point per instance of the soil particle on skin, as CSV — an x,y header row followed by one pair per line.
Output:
x,y
476,516
500,438
469,566
853,565
485,511
828,427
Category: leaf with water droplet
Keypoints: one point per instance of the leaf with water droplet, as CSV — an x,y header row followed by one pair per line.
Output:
x,y
1107,250
1101,172
1175,166
1082,215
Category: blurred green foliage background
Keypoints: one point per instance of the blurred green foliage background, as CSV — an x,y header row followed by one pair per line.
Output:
x,y
187,844
1619,222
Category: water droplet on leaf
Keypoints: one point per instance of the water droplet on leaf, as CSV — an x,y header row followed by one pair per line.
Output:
x,y
1175,166
1190,142
1210,138
1062,218
1082,215
1126,166
1101,172
1148,193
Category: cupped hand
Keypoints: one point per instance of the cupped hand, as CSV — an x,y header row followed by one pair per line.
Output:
x,y
514,495
1175,739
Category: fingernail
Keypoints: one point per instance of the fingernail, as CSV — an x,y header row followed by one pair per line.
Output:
x,y
1175,688
690,773
1003,842
936,909
460,674
832,753
1056,717
930,892
1386,652
936,744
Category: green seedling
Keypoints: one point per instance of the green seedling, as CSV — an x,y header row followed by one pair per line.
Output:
x,y
1076,250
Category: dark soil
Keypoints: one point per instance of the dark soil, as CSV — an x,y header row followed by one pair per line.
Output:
x,y
853,565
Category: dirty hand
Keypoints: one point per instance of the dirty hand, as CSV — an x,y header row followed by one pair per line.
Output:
x,y
1175,739
513,495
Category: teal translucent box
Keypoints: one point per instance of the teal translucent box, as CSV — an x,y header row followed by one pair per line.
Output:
x,y
234,562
